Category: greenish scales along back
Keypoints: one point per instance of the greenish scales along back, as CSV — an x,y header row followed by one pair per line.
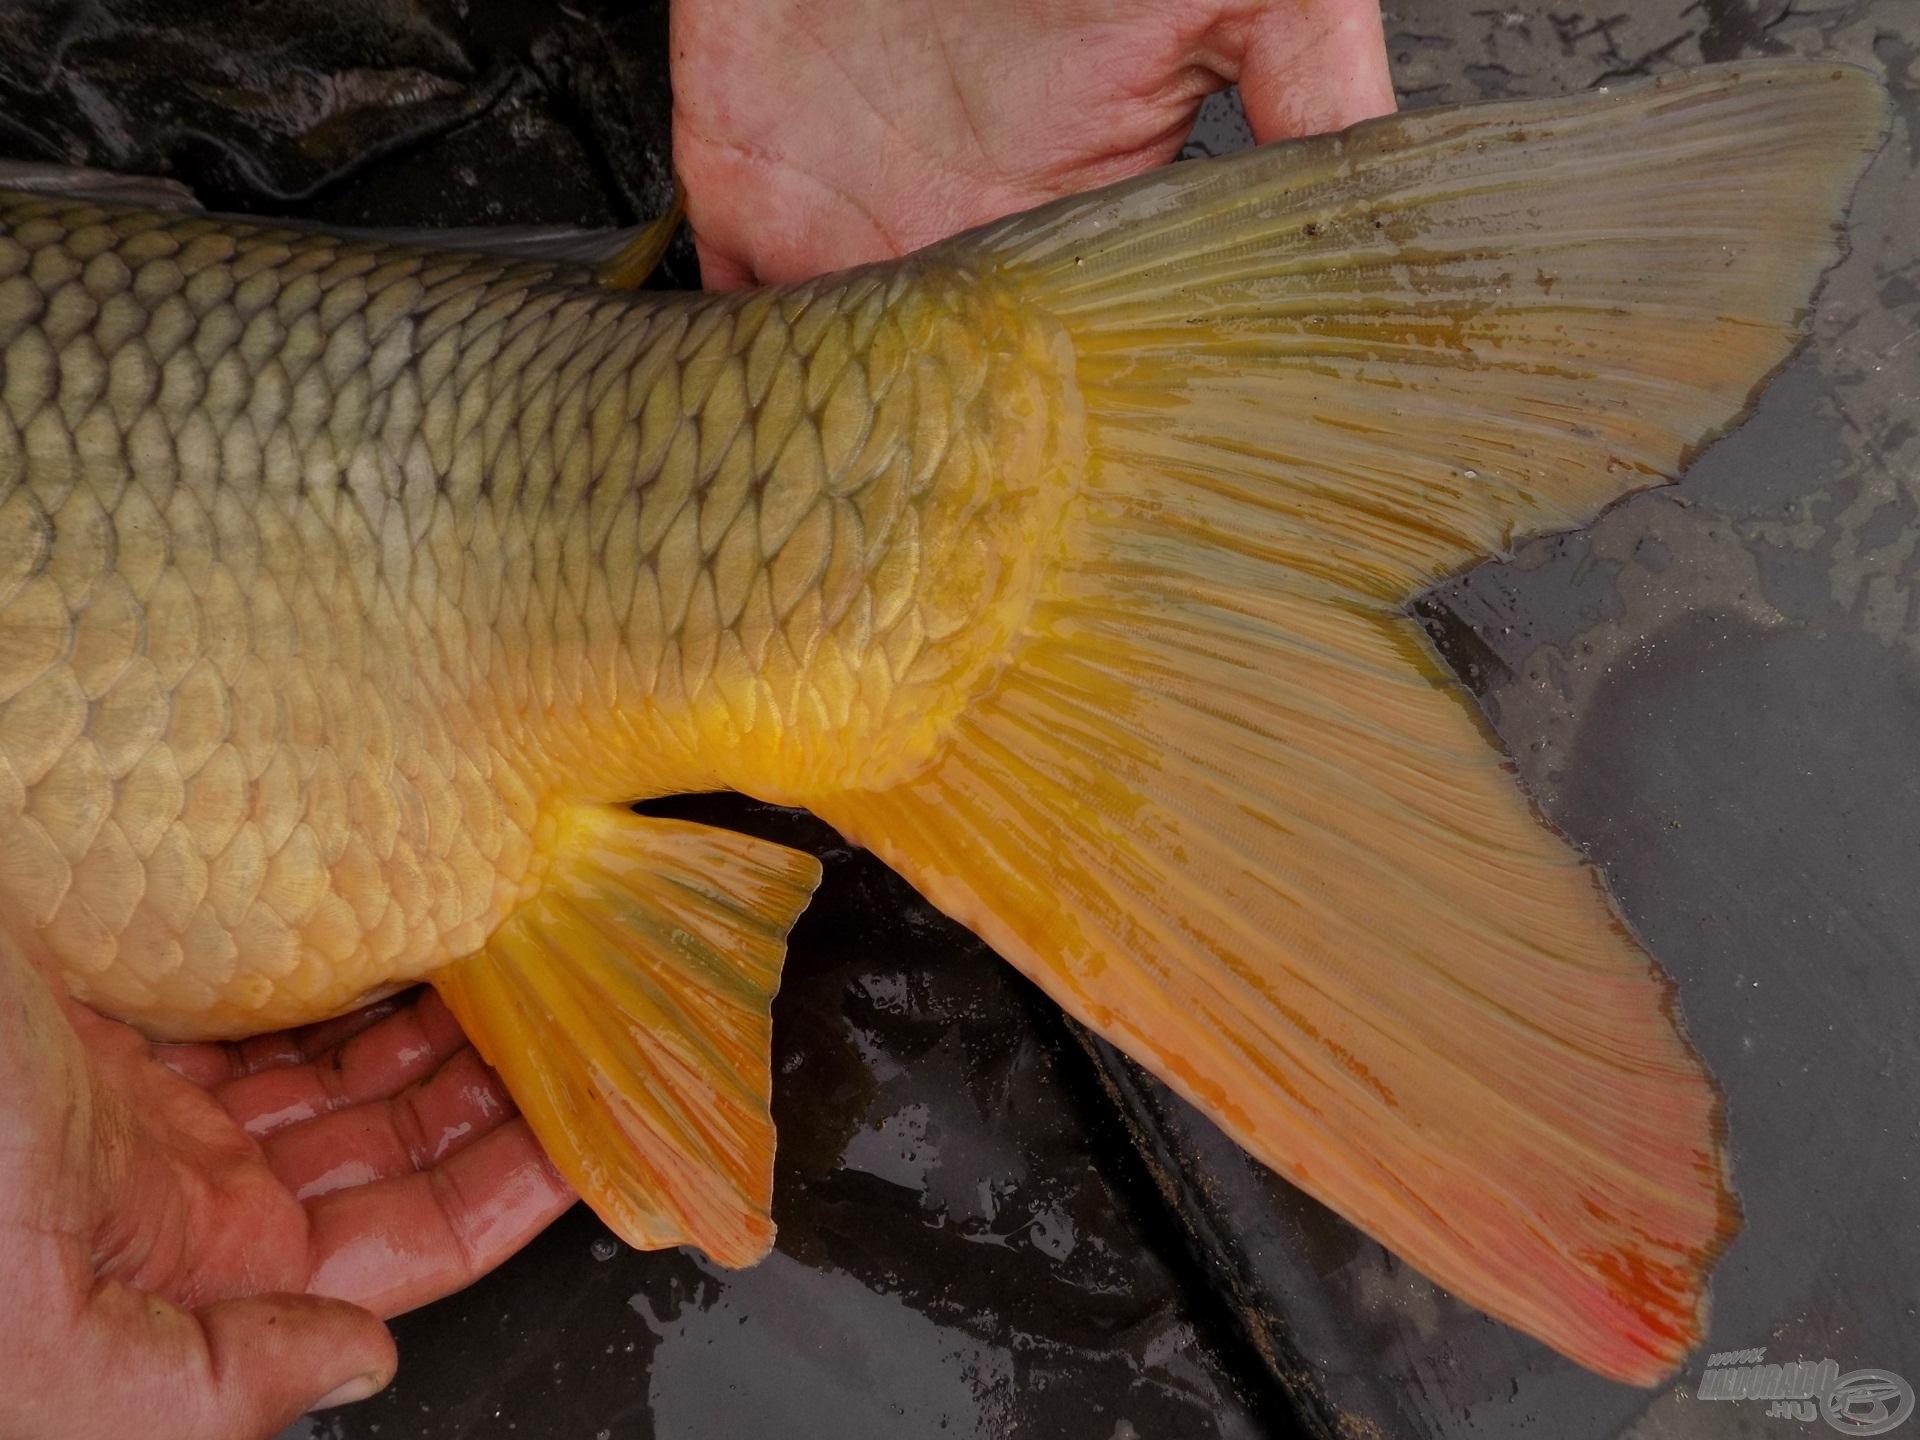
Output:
x,y
348,592
324,566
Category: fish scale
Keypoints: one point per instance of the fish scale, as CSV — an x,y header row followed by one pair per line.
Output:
x,y
349,593
328,569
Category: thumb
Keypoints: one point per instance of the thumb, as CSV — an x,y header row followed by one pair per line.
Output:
x,y
233,1370
719,270
272,1358
1313,66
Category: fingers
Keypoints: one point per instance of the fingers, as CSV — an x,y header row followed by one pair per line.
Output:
x,y
271,1358
39,1054
1312,66
208,1065
719,270
460,1103
309,1042
397,1051
237,1370
399,1243
204,1065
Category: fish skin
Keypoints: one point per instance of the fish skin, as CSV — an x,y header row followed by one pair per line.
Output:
x,y
1153,719
330,573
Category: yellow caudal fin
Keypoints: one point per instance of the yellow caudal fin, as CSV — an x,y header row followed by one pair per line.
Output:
x,y
1223,805
627,1008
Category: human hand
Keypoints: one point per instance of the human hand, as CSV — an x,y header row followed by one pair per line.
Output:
x,y
816,134
183,1226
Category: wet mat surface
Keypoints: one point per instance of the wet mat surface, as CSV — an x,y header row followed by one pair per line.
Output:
x,y
990,1224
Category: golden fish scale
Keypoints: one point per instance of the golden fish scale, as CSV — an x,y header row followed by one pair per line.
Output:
x,y
330,573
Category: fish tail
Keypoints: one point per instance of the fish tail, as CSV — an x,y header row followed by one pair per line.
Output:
x,y
1224,805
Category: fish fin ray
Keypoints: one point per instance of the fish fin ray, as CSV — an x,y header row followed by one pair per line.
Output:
x,y
84,183
1223,804
627,1006
1402,347
1358,951
634,262
622,258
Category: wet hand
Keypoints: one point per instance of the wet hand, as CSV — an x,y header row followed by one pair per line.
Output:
x,y
197,1240
812,136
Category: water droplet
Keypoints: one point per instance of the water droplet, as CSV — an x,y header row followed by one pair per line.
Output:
x,y
605,1248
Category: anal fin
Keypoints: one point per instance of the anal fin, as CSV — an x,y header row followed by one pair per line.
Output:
x,y
628,1008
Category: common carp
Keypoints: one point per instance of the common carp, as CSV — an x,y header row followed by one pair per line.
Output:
x,y
351,592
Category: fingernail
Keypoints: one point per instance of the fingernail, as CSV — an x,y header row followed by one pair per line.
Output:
x,y
356,1389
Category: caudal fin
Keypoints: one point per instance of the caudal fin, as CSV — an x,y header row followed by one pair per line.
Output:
x,y
1225,807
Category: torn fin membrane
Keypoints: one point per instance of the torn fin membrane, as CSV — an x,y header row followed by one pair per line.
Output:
x,y
1225,807
627,1007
